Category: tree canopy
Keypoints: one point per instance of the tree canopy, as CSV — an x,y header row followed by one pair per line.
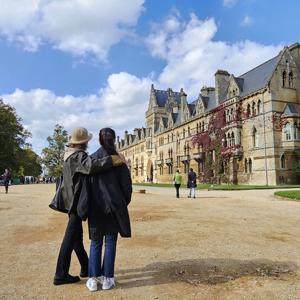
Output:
x,y
53,154
14,153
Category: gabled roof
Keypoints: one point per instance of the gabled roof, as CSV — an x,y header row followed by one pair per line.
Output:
x,y
239,82
291,110
162,97
258,77
165,121
174,116
191,108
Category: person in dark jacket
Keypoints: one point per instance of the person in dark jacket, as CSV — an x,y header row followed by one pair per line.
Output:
x,y
192,183
76,163
110,194
6,178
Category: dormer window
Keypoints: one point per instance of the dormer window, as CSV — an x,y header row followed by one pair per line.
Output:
x,y
253,109
258,107
291,83
248,110
283,78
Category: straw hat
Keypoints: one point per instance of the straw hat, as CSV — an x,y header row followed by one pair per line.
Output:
x,y
80,136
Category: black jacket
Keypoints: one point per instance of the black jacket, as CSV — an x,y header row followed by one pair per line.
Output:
x,y
192,180
75,165
109,195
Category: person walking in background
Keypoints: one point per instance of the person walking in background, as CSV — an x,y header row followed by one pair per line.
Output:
x,y
177,179
192,183
77,162
109,196
6,178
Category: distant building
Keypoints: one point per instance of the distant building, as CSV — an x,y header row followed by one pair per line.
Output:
x,y
261,111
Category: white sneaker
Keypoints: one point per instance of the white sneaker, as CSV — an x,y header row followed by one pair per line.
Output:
x,y
108,283
100,279
92,284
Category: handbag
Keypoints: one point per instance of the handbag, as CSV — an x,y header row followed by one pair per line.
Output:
x,y
58,202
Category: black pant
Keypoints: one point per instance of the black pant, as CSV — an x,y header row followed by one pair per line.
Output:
x,y
73,240
6,184
177,186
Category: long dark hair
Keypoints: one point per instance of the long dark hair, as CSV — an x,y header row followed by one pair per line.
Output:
x,y
107,138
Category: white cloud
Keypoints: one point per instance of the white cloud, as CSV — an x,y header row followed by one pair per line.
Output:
x,y
120,104
193,55
75,26
229,3
247,21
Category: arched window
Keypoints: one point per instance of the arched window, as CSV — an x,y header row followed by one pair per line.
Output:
x,y
288,131
232,139
189,131
253,109
250,165
224,117
248,110
203,126
232,113
258,107
246,165
183,133
225,142
295,131
283,78
254,137
291,83
228,115
229,139
197,128
282,161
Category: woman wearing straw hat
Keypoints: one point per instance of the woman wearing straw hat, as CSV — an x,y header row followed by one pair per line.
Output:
x,y
76,162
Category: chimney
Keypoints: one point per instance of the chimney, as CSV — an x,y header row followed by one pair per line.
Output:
x,y
221,82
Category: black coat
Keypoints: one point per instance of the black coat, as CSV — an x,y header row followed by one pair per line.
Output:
x,y
192,180
74,166
109,195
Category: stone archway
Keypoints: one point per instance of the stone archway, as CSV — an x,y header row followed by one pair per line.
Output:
x,y
149,171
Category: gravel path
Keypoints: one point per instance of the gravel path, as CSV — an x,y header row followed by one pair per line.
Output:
x,y
221,245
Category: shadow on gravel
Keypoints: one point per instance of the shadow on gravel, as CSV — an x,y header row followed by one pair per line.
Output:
x,y
209,271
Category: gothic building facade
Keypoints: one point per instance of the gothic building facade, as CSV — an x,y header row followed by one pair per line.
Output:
x,y
261,128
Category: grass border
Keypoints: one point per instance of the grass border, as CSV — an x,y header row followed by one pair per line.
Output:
x,y
223,187
288,195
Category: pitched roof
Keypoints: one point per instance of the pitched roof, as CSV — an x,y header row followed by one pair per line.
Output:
x,y
258,77
291,110
162,97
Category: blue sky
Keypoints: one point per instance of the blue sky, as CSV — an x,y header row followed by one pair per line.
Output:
x,y
86,62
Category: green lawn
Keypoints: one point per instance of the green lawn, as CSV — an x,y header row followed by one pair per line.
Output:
x,y
223,186
293,195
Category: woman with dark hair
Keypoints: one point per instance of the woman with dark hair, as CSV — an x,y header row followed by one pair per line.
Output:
x,y
109,195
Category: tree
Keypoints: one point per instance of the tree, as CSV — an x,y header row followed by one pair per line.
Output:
x,y
12,137
53,154
29,163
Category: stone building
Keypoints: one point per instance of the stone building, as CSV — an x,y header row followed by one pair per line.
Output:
x,y
261,131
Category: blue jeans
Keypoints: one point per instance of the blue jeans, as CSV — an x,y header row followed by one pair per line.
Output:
x,y
108,264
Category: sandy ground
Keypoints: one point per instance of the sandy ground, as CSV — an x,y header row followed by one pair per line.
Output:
x,y
222,245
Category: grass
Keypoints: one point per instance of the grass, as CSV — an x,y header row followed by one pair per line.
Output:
x,y
293,195
230,187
